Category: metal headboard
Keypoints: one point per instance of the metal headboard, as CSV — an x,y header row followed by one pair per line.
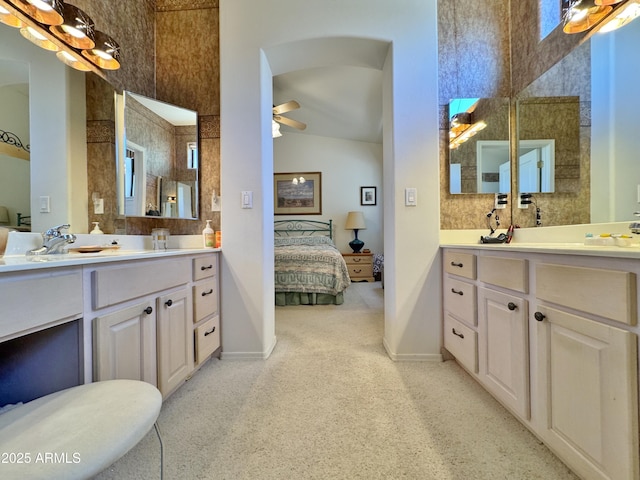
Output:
x,y
287,228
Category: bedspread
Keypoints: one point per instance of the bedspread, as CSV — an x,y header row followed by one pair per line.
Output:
x,y
310,269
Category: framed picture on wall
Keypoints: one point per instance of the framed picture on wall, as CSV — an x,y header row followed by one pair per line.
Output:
x,y
368,196
297,193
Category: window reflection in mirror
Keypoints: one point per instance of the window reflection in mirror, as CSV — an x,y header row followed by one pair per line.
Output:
x,y
158,165
479,145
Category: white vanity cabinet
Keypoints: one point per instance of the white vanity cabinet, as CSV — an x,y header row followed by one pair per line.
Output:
x,y
460,308
557,344
206,307
503,331
587,375
142,321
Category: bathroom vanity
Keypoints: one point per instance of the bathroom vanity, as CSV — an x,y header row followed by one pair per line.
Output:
x,y
145,315
551,332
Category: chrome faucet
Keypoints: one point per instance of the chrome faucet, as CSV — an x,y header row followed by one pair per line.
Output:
x,y
635,226
53,241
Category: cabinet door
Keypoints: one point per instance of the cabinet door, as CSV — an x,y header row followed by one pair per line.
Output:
x,y
175,339
124,344
587,387
503,349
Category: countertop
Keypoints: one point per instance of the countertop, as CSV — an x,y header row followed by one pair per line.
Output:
x,y
554,248
131,248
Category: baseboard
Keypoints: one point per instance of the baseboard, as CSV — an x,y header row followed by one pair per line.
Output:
x,y
250,355
411,357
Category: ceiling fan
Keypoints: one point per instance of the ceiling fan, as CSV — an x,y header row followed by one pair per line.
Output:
x,y
284,108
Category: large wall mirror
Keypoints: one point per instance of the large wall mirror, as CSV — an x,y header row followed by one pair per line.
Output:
x,y
580,117
15,184
479,145
157,158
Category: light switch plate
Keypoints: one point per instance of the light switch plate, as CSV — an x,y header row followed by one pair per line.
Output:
x,y
411,197
247,199
45,204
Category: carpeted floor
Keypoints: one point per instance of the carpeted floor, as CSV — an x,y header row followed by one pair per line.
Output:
x,y
330,404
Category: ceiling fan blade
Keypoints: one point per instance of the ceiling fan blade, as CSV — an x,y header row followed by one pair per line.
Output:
x,y
286,107
289,122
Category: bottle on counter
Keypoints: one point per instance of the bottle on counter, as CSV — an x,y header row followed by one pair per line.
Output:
x,y
96,229
208,236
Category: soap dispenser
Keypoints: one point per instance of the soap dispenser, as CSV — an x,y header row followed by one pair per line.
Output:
x,y
96,229
208,236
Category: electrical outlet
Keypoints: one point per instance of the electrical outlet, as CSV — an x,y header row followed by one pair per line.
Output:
x,y
500,201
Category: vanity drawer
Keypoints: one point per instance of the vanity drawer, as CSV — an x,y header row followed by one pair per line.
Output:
x,y
116,284
462,342
205,267
460,299
207,338
458,263
504,272
607,293
32,302
205,299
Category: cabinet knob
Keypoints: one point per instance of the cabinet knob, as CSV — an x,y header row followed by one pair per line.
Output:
x,y
454,264
539,316
512,306
209,333
457,292
168,303
453,330
357,271
204,294
206,268
148,310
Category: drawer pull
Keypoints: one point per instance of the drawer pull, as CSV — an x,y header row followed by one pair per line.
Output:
x,y
209,333
357,271
204,294
512,306
148,310
356,260
454,264
457,292
453,330
539,316
206,268
168,303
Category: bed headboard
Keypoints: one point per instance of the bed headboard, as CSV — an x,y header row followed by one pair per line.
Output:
x,y
289,228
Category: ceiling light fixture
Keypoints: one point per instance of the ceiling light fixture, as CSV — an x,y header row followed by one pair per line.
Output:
x,y
8,18
48,12
598,15
106,52
65,29
76,30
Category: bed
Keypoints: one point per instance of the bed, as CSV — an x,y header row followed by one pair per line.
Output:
x,y
309,269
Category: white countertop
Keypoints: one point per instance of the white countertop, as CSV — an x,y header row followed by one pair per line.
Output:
x,y
554,248
132,247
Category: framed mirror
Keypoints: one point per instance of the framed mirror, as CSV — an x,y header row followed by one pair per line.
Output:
x,y
479,145
157,158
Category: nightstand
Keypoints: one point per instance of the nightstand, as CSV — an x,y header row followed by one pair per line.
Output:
x,y
360,266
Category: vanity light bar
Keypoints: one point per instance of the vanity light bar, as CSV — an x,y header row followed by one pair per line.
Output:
x,y
72,36
467,134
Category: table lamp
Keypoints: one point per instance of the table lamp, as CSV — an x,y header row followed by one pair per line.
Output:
x,y
355,222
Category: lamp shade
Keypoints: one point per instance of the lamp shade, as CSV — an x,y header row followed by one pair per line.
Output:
x,y
581,15
77,29
355,221
4,214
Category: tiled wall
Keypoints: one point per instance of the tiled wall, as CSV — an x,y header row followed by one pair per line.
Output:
x,y
181,67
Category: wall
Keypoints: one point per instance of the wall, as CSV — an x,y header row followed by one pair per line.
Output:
x,y
248,39
345,166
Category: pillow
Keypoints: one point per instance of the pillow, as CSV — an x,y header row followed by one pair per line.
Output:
x,y
306,240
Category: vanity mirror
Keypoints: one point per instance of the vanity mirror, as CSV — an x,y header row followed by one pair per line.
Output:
x,y
479,145
157,158
583,110
14,144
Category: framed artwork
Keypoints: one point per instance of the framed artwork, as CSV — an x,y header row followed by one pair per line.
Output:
x,y
368,196
297,193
